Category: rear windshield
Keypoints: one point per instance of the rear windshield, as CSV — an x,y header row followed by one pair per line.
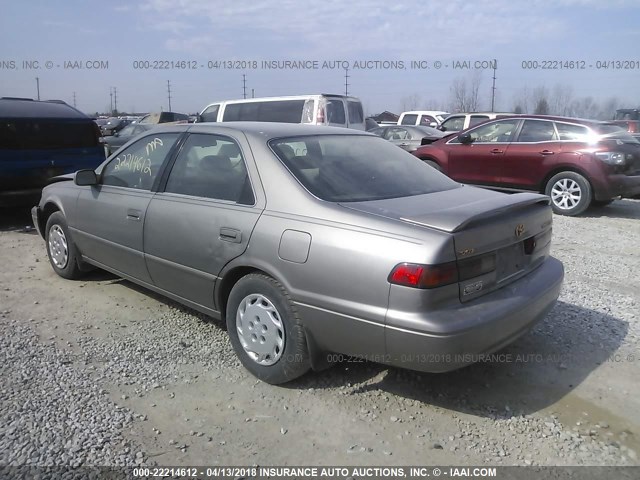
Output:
x,y
614,132
355,112
287,111
47,134
355,168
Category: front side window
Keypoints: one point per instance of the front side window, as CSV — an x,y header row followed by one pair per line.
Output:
x,y
453,124
138,165
210,113
211,166
495,132
427,120
352,168
397,134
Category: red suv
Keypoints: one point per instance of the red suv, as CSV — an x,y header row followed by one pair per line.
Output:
x,y
576,162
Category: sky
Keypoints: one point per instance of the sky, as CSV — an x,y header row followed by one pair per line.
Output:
x,y
89,48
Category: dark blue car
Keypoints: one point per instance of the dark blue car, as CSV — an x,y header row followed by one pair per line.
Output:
x,y
39,140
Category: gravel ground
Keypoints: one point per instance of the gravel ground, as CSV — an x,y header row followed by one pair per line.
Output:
x,y
102,372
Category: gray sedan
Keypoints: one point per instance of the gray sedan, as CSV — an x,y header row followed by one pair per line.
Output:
x,y
118,139
410,137
310,243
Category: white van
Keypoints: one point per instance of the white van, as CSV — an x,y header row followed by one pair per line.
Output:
x,y
324,109
429,118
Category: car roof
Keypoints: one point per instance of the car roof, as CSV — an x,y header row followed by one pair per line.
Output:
x,y
267,130
423,112
11,107
555,118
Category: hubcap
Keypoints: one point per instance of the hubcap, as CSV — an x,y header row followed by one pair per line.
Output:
x,y
260,329
566,194
58,246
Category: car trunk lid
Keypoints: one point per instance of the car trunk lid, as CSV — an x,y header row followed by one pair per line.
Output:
x,y
510,233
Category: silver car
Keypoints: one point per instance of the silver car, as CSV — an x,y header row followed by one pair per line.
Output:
x,y
311,243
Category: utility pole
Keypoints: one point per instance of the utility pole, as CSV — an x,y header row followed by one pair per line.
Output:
x,y
115,100
74,99
252,93
493,88
169,93
346,81
38,86
244,86
110,100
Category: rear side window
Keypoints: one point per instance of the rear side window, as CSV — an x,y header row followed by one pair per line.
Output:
x,y
576,133
427,120
537,131
352,168
356,114
409,119
335,112
211,166
47,134
286,111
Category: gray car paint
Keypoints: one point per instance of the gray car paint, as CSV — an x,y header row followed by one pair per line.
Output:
x,y
339,281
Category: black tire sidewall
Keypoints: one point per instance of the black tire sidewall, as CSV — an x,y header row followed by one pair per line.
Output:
x,y
294,361
586,193
71,270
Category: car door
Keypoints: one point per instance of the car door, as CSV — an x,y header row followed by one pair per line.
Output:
x,y
202,219
531,155
110,216
480,162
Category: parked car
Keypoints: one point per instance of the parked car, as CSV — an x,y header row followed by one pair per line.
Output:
x,y
350,246
115,141
461,121
325,109
629,120
576,162
39,140
429,118
164,117
114,125
409,138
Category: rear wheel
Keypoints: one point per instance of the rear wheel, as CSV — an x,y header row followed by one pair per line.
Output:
x,y
61,250
570,193
265,330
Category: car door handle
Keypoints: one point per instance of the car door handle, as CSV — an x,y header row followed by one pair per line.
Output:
x,y
496,151
546,152
230,235
134,215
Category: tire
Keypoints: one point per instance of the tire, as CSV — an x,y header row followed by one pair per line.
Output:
x,y
265,330
601,203
61,250
570,193
433,164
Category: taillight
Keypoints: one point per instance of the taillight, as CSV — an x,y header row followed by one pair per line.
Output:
x,y
320,115
424,276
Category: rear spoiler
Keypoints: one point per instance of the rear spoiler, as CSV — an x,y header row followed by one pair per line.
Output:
x,y
457,218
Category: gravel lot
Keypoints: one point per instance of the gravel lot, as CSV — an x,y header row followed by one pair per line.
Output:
x,y
102,372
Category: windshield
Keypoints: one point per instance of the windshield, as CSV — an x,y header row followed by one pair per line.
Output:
x,y
354,168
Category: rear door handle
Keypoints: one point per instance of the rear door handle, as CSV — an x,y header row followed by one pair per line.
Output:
x,y
496,151
230,235
546,152
134,215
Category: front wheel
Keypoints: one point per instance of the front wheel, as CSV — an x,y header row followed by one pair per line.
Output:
x,y
570,193
265,330
61,250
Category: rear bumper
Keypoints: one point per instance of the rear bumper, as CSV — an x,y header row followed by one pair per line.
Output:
x,y
492,322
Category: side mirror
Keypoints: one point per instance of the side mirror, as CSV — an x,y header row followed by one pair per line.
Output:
x,y
433,124
466,139
442,128
85,177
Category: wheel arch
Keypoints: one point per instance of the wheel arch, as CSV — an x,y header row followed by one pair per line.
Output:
x,y
563,168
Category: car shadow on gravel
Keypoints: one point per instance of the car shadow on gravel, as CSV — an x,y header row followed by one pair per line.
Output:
x,y
16,219
617,209
529,375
